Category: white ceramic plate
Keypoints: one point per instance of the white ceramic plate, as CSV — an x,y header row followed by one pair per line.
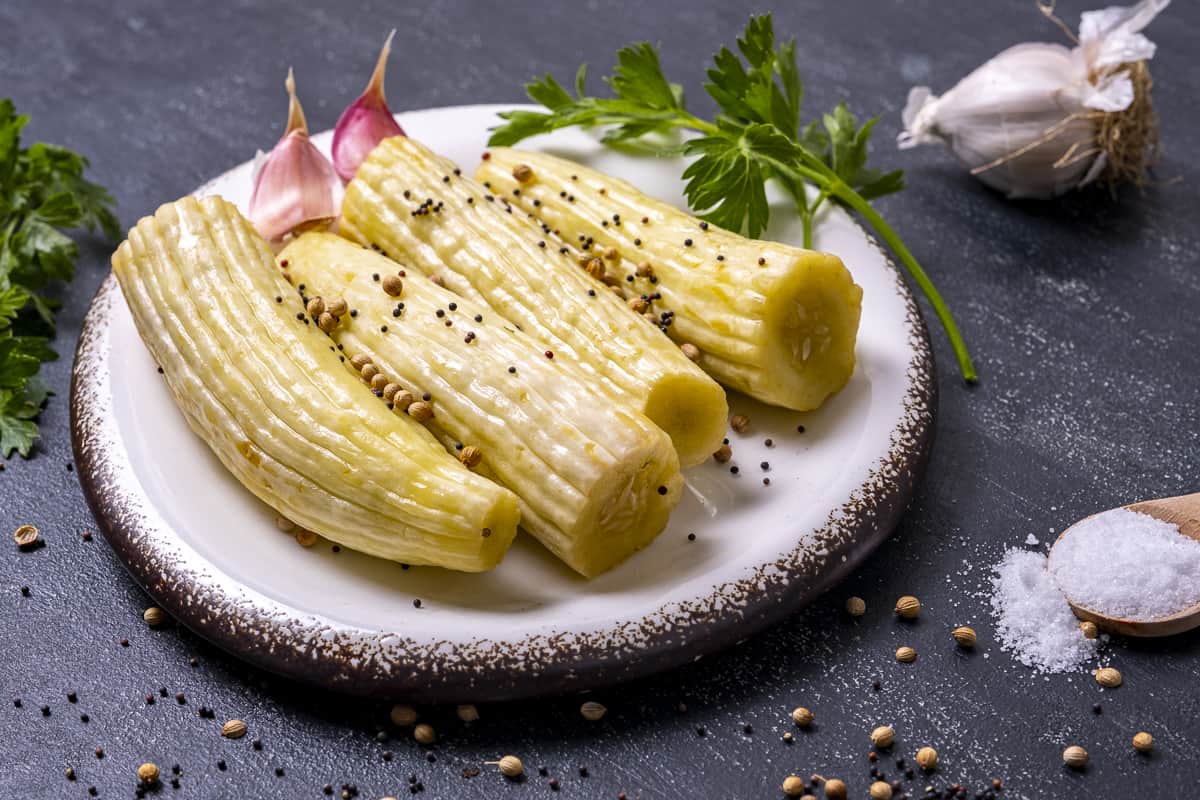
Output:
x,y
209,552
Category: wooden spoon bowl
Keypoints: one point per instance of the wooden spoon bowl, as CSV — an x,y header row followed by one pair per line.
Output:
x,y
1183,511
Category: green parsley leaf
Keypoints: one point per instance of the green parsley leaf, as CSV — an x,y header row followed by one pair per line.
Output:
x,y
757,136
43,194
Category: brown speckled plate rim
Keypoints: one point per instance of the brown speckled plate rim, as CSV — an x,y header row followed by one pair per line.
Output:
x,y
307,648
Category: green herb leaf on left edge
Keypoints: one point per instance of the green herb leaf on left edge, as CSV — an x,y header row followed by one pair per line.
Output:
x,y
43,194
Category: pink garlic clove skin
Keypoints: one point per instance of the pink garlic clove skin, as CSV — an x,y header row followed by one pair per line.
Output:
x,y
365,123
296,187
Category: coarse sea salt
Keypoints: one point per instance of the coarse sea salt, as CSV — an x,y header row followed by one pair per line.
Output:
x,y
1127,565
1033,620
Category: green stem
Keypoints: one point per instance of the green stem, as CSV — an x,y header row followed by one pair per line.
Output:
x,y
835,186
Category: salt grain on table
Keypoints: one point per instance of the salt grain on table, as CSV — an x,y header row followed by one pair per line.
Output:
x,y
1128,565
1033,620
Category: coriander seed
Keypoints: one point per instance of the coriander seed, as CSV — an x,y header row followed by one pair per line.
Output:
x,y
467,712
337,307
233,729
305,537
883,736
402,400
592,711
424,734
315,307
378,382
510,766
906,655
327,322
1108,677
470,456
359,361
964,636
1075,757
908,607
403,715
927,759
723,454
25,536
856,606
154,616
690,350
740,423
802,717
1143,742
421,411
835,789
1089,629
524,174
284,524
148,773
880,791
368,371
793,786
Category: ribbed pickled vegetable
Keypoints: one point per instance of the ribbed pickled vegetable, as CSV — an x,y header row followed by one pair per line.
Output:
x,y
596,480
414,205
261,385
776,322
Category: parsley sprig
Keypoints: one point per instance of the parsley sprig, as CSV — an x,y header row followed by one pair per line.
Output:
x,y
42,194
757,136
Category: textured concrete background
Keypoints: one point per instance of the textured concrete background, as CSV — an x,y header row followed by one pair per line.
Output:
x,y
1083,319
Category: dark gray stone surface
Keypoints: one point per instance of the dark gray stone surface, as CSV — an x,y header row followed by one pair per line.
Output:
x,y
1082,315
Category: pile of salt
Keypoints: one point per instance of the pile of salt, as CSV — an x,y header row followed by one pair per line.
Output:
x,y
1127,565
1033,620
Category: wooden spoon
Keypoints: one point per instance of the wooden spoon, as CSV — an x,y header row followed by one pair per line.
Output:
x,y
1183,511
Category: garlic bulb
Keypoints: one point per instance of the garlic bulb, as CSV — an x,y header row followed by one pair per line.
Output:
x,y
365,122
294,185
1038,119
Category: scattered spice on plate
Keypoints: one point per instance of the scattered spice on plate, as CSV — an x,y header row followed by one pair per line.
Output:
x,y
908,607
1143,742
856,606
1075,757
592,711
